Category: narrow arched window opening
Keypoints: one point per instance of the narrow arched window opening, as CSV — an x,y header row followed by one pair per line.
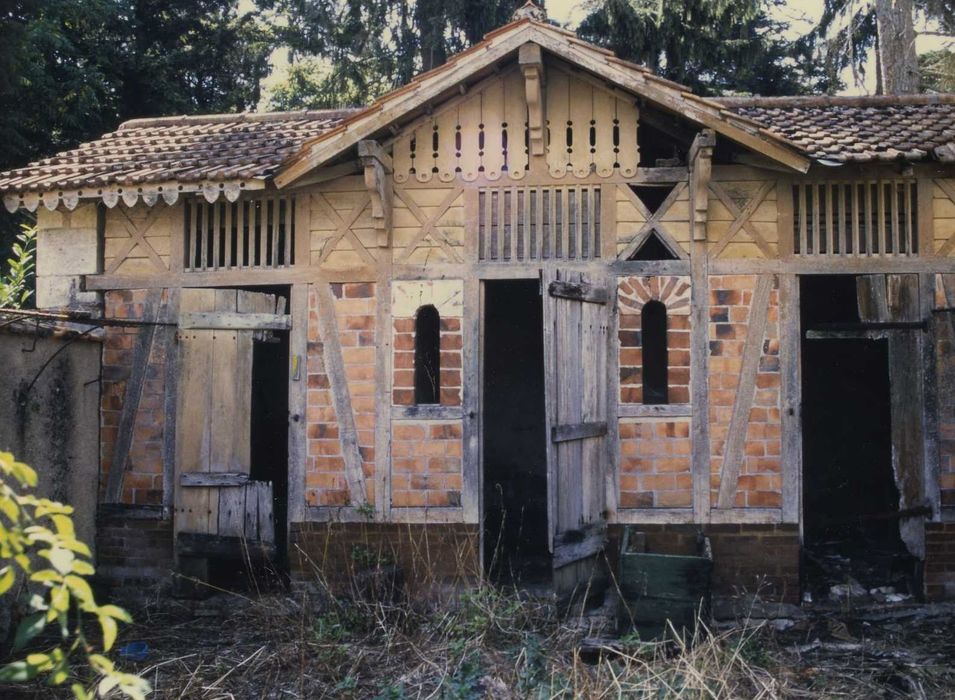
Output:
x,y
427,356
653,332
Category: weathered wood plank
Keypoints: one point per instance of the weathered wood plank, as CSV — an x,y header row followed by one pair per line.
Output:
x,y
216,479
297,402
790,396
592,542
578,431
745,392
578,291
669,410
427,412
224,320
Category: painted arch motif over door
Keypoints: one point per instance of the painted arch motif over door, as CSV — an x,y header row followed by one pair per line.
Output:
x,y
576,322
214,495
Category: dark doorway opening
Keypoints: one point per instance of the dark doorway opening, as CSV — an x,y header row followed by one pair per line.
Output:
x,y
514,445
850,497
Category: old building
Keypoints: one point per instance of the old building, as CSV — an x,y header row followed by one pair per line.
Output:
x,y
532,296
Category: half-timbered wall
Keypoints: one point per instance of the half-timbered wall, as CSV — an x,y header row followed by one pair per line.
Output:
x,y
427,439
340,415
138,239
744,392
132,399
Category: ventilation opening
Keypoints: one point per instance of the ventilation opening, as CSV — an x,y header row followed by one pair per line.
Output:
x,y
850,498
427,356
652,196
653,249
515,458
653,329
656,145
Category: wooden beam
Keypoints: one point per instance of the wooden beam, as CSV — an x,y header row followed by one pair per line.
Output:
x,y
427,412
214,479
378,169
297,403
578,431
745,392
225,320
663,410
170,401
790,354
134,392
594,541
532,66
578,291
701,167
226,278
341,397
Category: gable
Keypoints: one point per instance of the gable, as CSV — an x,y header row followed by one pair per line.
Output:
x,y
486,133
460,74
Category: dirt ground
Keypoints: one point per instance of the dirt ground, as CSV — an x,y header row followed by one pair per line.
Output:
x,y
488,644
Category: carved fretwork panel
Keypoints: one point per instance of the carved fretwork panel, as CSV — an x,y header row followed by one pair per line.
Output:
x,y
485,135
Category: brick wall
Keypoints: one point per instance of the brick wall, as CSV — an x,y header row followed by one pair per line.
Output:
x,y
427,554
940,561
408,297
760,481
655,470
142,483
133,555
426,467
746,558
674,293
325,483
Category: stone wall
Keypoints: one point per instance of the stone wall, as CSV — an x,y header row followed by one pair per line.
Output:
x,y
53,424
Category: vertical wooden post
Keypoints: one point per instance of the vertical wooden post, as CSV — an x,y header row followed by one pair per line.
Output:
x,y
700,169
297,402
925,193
170,401
383,381
929,390
785,225
790,349
471,329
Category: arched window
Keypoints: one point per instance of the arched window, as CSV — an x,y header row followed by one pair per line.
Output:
x,y
653,332
427,355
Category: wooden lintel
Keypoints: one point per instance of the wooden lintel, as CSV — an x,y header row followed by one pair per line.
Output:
x,y
701,166
427,412
234,321
378,168
532,66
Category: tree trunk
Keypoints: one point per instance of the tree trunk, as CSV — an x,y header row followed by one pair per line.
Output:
x,y
897,57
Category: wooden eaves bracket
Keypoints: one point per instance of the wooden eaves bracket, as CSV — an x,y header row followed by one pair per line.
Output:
x,y
532,66
378,168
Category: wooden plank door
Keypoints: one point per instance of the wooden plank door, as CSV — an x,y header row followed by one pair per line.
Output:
x,y
576,322
214,495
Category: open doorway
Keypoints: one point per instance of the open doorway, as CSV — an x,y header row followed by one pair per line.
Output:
x,y
514,434
850,497
252,566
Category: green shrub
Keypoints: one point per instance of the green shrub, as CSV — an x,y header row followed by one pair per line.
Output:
x,y
38,544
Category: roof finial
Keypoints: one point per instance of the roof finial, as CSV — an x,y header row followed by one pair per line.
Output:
x,y
530,10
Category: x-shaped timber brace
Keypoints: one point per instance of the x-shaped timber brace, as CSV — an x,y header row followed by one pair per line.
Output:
x,y
137,237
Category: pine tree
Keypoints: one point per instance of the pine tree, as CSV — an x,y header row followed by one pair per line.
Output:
x,y
712,46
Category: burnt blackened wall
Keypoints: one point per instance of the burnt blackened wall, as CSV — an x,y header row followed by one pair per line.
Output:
x,y
49,415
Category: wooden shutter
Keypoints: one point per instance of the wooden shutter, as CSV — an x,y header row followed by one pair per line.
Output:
x,y
576,312
214,494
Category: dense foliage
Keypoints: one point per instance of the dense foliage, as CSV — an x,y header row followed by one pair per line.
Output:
x,y
40,554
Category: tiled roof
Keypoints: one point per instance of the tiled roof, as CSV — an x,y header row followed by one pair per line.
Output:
x,y
146,153
859,129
